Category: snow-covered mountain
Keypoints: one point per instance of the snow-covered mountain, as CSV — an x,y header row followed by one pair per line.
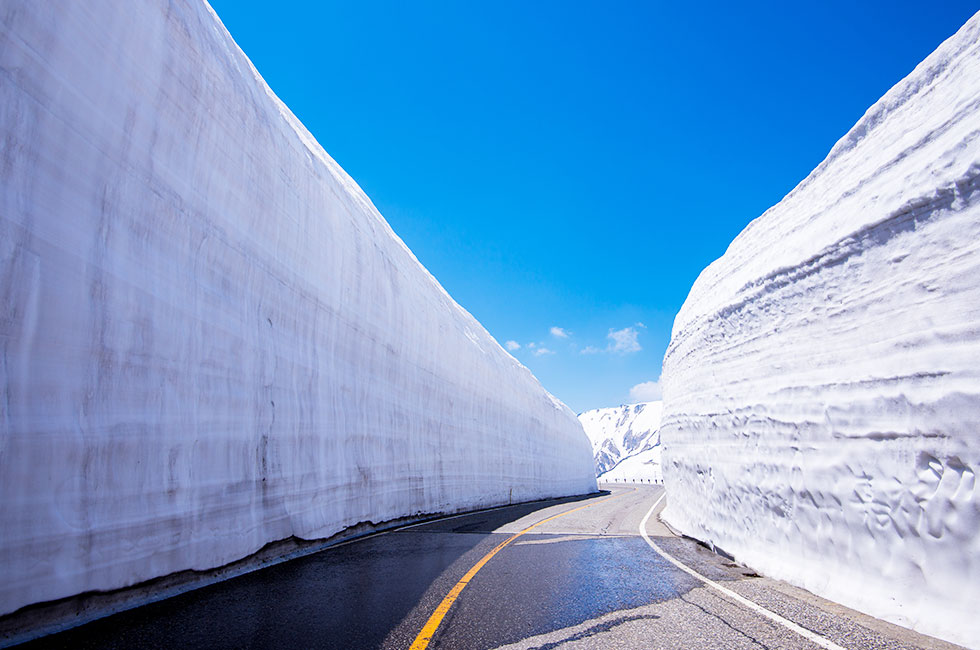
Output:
x,y
822,384
625,440
210,339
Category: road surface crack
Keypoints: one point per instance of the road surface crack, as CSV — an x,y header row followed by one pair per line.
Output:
x,y
726,623
595,629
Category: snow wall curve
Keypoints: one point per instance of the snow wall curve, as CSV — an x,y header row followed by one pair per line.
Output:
x,y
822,384
210,338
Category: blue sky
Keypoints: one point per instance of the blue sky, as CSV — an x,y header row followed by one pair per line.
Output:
x,y
566,169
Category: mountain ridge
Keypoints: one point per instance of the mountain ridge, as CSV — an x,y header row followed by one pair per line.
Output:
x,y
625,440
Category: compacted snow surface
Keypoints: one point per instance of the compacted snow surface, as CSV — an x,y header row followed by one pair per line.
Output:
x,y
625,441
209,337
822,385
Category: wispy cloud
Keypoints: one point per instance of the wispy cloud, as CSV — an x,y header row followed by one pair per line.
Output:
x,y
624,341
559,333
539,352
512,345
648,391
621,341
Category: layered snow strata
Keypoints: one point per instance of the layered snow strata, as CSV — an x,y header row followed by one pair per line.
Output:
x,y
822,385
210,338
625,441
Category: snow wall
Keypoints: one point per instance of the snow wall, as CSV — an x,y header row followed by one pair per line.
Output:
x,y
210,338
822,384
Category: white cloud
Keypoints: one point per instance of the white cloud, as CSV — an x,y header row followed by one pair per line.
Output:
x,y
623,341
543,351
648,391
559,333
530,345
512,345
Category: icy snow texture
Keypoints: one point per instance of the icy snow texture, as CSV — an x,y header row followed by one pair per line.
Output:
x,y
822,385
625,440
210,338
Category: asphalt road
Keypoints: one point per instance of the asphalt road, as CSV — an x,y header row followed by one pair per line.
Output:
x,y
584,578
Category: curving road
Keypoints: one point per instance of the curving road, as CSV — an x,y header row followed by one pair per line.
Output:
x,y
568,573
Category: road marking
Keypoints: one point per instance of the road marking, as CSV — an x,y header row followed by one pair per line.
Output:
x,y
462,514
772,616
429,629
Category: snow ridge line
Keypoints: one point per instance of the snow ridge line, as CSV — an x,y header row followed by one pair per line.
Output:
x,y
772,616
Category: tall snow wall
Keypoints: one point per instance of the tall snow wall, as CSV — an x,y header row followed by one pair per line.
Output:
x,y
210,338
822,384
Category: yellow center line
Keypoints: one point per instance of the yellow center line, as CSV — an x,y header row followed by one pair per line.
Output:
x,y
429,629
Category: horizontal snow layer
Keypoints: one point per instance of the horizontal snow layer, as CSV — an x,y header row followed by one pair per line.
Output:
x,y
622,432
210,338
822,385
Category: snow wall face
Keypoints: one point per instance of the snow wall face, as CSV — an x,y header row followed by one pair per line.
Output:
x,y
210,338
822,384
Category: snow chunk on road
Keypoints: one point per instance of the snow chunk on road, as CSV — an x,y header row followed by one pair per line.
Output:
x,y
822,384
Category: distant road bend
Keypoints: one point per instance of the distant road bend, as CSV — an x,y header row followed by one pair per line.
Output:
x,y
588,572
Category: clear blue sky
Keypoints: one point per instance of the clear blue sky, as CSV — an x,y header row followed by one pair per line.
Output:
x,y
576,165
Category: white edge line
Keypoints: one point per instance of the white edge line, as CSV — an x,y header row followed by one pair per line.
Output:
x,y
179,590
772,616
440,519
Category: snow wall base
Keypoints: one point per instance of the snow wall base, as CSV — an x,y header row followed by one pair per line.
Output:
x,y
210,340
822,384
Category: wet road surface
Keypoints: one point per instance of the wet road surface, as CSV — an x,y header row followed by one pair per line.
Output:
x,y
586,579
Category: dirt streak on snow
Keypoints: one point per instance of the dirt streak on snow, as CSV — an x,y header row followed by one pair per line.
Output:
x,y
209,337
